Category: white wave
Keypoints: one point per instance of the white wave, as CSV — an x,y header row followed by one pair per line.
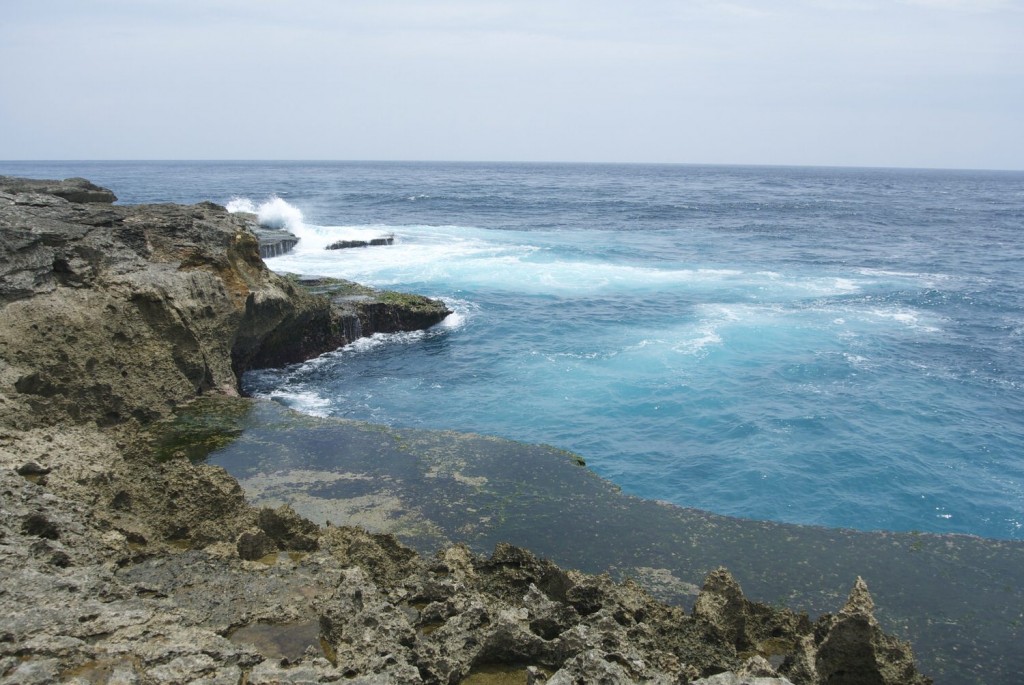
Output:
x,y
304,401
241,204
272,213
928,277
465,257
857,361
704,338
905,316
454,321
377,340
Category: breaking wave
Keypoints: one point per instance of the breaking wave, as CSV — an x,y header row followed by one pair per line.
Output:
x,y
271,213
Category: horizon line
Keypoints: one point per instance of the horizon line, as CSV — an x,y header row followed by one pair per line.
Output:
x,y
498,162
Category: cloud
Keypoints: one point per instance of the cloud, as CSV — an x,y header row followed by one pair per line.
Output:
x,y
825,81
973,6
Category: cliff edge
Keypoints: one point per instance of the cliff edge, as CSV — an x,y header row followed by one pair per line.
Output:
x,y
120,567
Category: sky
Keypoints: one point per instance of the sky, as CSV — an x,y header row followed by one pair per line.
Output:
x,y
900,83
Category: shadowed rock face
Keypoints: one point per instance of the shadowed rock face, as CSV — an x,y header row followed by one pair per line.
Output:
x,y
118,566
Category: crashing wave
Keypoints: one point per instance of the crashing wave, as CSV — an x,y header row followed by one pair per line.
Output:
x,y
272,213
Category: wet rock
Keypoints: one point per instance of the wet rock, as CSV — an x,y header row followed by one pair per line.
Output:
x,y
273,242
373,242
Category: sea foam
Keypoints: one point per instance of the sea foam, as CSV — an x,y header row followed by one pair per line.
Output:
x,y
271,213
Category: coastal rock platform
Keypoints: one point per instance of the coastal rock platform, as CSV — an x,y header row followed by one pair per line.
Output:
x,y
125,558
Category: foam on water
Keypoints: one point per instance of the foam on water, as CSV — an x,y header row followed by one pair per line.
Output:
x,y
468,257
271,213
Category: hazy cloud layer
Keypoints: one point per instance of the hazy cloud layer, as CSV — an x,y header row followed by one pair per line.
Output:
x,y
861,82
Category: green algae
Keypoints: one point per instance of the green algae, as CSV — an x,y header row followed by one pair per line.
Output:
x,y
281,640
199,428
499,674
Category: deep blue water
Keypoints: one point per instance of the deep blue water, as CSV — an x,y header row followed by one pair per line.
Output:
x,y
826,346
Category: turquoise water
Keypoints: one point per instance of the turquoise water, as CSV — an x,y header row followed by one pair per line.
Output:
x,y
827,346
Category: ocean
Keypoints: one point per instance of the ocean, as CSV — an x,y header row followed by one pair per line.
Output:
x,y
830,346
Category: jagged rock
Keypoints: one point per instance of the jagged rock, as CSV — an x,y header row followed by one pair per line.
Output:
x,y
182,287
254,544
723,608
289,530
755,671
757,667
368,634
40,526
854,650
388,560
730,678
595,666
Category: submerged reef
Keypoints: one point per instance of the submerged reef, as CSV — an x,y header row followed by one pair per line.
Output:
x,y
124,560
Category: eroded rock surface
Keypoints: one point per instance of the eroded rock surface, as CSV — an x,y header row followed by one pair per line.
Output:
x,y
117,566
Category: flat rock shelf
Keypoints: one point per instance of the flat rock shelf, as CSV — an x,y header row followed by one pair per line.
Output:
x,y
958,599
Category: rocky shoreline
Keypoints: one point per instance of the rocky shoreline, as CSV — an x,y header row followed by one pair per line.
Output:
x,y
121,566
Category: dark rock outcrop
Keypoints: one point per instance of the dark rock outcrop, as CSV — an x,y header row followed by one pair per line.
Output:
x,y
77,190
273,242
373,242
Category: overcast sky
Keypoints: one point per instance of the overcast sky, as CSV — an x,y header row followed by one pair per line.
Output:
x,y
920,83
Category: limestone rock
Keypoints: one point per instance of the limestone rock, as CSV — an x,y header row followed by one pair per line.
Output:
x,y
854,649
368,634
723,608
254,544
289,530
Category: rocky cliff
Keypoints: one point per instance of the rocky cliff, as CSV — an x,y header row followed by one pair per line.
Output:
x,y
117,313
117,566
